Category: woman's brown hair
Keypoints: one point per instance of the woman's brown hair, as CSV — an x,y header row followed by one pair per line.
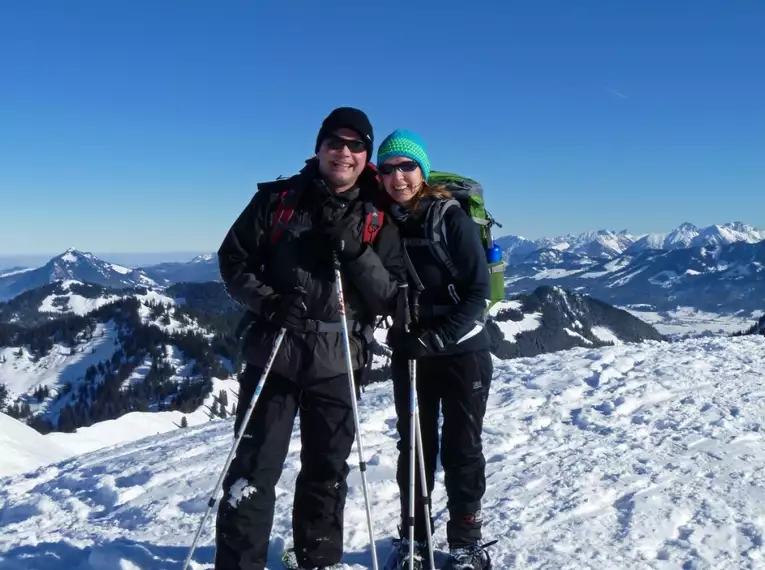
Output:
x,y
428,191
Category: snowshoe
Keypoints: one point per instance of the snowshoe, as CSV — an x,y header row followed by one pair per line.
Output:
x,y
470,557
290,562
398,559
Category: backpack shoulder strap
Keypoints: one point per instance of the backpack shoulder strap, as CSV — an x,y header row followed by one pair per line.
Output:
x,y
373,221
437,232
285,208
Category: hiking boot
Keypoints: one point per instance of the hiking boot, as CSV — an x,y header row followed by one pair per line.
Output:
x,y
398,559
469,558
290,562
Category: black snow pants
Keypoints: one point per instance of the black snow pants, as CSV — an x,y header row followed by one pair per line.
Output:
x,y
246,510
459,384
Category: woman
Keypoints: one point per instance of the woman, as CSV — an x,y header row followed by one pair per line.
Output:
x,y
450,345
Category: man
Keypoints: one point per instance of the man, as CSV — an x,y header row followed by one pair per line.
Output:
x,y
282,271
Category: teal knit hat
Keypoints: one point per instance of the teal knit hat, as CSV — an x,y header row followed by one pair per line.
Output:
x,y
404,143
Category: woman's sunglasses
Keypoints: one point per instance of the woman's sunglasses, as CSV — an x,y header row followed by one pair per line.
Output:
x,y
354,145
408,166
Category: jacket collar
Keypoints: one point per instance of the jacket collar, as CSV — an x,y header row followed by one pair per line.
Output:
x,y
402,214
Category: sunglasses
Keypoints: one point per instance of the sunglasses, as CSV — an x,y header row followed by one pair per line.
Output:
x,y
354,145
408,166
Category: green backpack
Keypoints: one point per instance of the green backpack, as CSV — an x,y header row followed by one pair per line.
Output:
x,y
468,195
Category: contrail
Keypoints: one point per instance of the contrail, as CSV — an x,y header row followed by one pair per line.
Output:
x,y
613,91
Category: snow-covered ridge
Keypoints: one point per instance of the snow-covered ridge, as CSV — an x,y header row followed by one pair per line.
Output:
x,y
629,457
551,319
609,244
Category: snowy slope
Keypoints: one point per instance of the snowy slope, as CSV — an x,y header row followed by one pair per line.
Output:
x,y
627,457
137,425
24,449
21,372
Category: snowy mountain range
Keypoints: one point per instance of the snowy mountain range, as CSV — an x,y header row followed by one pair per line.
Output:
x,y
716,278
607,244
613,457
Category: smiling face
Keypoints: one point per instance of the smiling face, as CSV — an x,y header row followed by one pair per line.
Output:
x,y
402,179
342,158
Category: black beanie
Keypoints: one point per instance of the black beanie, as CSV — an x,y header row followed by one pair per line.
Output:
x,y
349,118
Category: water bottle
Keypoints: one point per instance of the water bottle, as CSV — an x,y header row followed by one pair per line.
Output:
x,y
494,253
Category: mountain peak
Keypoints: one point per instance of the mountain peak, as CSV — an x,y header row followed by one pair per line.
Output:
x,y
73,265
204,258
73,255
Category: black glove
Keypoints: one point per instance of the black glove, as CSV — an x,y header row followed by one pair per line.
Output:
x,y
347,246
286,309
338,230
422,343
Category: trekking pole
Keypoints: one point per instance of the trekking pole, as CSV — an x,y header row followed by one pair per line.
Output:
x,y
239,436
425,497
352,386
415,448
412,453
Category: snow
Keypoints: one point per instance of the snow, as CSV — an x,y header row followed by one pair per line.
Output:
x,y
16,271
605,334
24,449
119,268
504,305
691,321
569,332
634,456
510,329
171,325
76,304
137,425
204,258
545,274
22,373
609,267
69,257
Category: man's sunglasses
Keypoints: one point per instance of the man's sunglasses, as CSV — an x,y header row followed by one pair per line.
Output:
x,y
354,145
408,166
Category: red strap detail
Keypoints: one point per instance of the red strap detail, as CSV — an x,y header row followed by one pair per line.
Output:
x,y
372,224
282,216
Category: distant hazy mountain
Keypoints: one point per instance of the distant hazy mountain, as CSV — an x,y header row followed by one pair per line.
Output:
x,y
201,268
72,265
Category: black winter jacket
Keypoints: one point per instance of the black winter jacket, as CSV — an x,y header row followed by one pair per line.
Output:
x,y
253,269
452,308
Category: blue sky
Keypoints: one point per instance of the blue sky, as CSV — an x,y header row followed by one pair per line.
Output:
x,y
143,126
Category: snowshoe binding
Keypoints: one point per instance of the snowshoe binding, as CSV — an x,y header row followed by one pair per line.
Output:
x,y
398,559
290,562
470,557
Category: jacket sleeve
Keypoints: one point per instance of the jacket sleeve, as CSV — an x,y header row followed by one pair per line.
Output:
x,y
379,270
469,258
243,251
